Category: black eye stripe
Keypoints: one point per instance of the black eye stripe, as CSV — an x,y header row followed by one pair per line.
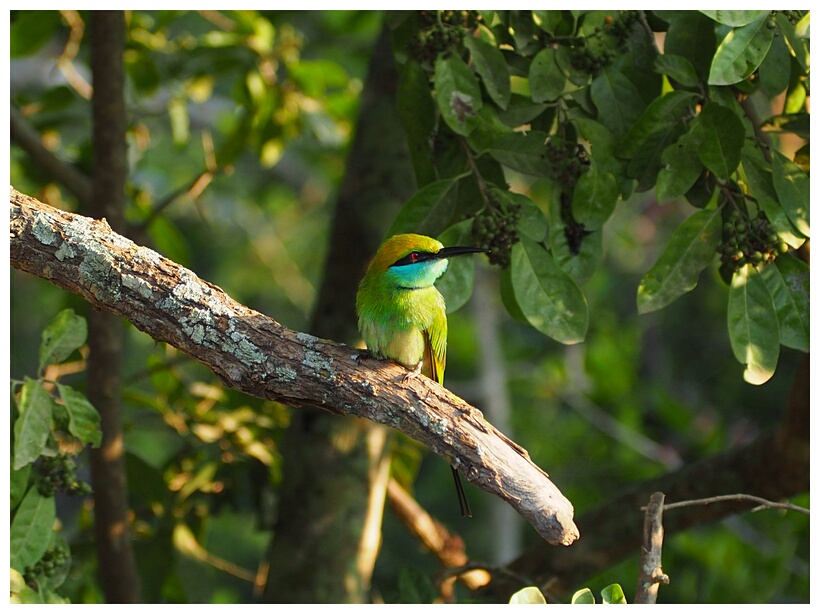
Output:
x,y
413,257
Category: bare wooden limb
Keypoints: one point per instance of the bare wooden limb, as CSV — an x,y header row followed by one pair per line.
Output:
x,y
762,503
255,354
650,574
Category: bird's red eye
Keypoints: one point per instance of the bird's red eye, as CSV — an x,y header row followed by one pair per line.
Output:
x,y
414,256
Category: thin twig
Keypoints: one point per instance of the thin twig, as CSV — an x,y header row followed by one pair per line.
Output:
x,y
764,503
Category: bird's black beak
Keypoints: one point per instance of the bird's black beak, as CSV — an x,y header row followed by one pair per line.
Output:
x,y
449,252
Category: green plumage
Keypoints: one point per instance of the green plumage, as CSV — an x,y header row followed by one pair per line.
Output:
x,y
402,315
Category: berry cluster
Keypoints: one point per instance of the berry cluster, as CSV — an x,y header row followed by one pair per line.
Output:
x,y
748,241
49,564
494,229
440,32
792,16
598,50
567,161
56,473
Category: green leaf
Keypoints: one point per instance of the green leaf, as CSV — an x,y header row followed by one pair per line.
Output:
x,y
491,66
788,282
759,179
57,575
776,67
797,37
618,101
33,425
690,250
547,80
31,528
565,59
753,325
30,30
664,117
741,52
602,149
521,110
719,135
522,152
691,35
577,251
528,594
613,594
792,187
594,198
735,18
677,68
550,300
64,334
532,223
83,418
584,596
458,94
505,288
18,482
681,169
428,211
456,285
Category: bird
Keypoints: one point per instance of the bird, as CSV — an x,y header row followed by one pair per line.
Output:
x,y
402,315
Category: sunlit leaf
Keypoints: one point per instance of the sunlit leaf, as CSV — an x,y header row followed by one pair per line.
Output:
x,y
735,18
741,52
83,418
33,424
613,594
753,325
528,594
31,528
792,186
64,334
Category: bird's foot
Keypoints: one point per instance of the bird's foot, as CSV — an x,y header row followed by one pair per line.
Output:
x,y
414,373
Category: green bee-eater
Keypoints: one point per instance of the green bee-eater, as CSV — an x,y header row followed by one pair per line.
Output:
x,y
401,313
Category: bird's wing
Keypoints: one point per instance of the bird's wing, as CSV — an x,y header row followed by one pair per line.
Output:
x,y
435,347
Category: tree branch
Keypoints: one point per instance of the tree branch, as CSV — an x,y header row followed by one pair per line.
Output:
x,y
258,356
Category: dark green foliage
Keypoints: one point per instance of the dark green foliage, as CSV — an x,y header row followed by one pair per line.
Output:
x,y
599,171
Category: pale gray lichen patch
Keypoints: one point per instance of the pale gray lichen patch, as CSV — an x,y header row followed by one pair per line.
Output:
x,y
147,256
306,339
189,288
319,363
285,374
43,232
98,273
244,350
65,251
138,285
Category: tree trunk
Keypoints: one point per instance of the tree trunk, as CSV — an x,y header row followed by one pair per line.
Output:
x,y
329,526
117,570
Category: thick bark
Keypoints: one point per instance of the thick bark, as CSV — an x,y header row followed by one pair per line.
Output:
x,y
339,490
256,355
117,569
